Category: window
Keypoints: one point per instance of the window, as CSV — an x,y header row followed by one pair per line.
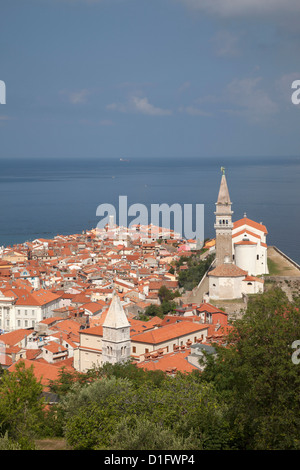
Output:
x,y
257,257
133,349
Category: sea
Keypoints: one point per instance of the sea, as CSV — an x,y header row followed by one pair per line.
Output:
x,y
42,198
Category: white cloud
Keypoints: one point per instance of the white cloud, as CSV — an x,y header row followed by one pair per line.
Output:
x,y
245,97
143,106
139,105
76,97
235,8
249,99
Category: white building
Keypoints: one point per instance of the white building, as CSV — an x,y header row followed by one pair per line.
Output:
x,y
249,246
23,308
241,252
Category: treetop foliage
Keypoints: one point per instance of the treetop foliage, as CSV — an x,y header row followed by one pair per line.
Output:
x,y
247,397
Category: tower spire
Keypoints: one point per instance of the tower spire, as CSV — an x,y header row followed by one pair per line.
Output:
x,y
223,223
115,317
223,197
116,344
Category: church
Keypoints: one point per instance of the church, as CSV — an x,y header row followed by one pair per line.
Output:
x,y
241,252
109,342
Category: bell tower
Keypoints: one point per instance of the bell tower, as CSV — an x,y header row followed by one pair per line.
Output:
x,y
116,344
223,224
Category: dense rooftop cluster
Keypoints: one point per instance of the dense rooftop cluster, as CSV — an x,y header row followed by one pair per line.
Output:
x,y
55,295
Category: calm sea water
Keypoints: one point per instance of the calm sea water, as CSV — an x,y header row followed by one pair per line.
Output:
x,y
43,198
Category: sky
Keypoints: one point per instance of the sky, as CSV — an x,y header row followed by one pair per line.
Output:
x,y
149,78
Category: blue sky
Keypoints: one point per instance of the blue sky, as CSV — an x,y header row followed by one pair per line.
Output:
x,y
149,78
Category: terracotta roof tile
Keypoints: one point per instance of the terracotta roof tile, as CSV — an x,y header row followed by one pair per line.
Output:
x,y
227,270
168,332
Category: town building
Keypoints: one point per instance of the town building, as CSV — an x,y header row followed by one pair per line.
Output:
x,y
241,252
24,307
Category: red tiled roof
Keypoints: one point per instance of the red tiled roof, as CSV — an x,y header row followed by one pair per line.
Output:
x,y
39,297
207,307
168,332
94,330
55,347
227,270
253,278
251,223
247,232
171,362
14,337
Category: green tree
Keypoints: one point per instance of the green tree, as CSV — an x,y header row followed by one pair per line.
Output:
x,y
135,433
196,268
153,311
178,409
8,444
257,377
166,294
21,405
90,428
